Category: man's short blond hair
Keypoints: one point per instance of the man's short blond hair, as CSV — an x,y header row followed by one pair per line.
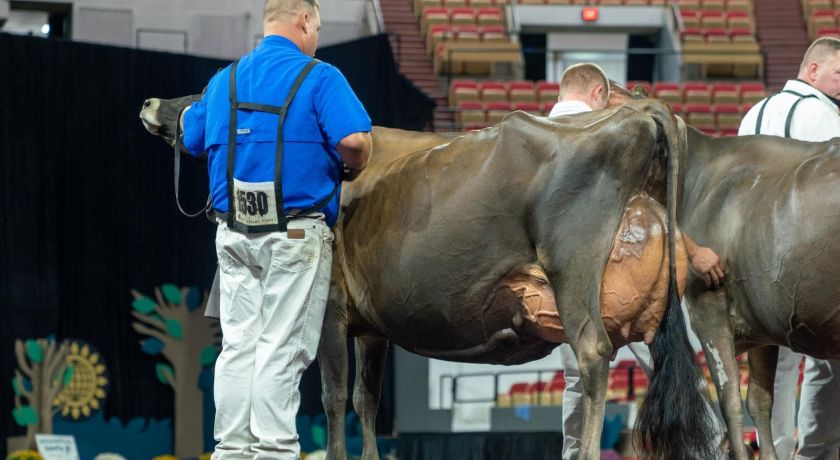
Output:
x,y
580,78
283,10
822,49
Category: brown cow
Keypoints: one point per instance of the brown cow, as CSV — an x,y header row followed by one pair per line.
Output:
x,y
495,245
770,206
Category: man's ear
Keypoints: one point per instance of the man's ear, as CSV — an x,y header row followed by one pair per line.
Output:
x,y
812,71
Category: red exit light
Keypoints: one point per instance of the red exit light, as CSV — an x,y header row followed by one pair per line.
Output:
x,y
589,13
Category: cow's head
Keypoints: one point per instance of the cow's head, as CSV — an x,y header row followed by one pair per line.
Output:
x,y
160,116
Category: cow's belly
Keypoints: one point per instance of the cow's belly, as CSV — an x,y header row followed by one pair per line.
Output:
x,y
634,294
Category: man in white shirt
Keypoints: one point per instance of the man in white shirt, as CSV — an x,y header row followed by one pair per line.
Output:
x,y
806,109
583,88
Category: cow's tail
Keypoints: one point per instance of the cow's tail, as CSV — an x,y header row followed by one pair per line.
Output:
x,y
674,422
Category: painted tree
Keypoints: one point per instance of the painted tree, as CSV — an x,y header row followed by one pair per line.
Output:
x,y
178,331
42,373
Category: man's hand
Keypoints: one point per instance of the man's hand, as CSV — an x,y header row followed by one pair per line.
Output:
x,y
707,262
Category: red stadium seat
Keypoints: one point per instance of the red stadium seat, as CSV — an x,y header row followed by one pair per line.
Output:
x,y
546,108
715,34
463,90
493,33
467,32
496,111
462,15
725,92
530,107
547,91
692,34
690,18
470,113
828,32
700,116
728,116
489,16
697,92
522,91
492,91
669,92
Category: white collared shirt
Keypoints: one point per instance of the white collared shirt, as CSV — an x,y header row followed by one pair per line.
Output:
x,y
569,108
815,119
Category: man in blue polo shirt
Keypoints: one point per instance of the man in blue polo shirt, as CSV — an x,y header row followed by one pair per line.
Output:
x,y
278,128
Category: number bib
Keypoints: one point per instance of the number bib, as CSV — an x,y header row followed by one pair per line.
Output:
x,y
255,203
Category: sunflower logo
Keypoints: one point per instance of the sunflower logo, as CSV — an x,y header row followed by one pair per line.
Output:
x,y
86,390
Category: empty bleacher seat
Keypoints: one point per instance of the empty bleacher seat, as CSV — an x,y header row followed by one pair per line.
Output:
x,y
463,90
828,32
752,92
700,116
530,107
725,93
491,91
728,116
547,92
496,111
546,108
522,91
668,92
471,113
489,16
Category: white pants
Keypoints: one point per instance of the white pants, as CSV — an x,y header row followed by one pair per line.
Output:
x,y
273,296
819,426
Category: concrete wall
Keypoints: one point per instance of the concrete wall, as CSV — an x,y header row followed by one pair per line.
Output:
x,y
214,28
571,40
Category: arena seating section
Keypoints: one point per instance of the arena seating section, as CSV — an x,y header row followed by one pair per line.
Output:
x,y
822,17
711,28
717,21
715,108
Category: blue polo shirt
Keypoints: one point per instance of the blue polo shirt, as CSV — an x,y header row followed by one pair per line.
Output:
x,y
324,111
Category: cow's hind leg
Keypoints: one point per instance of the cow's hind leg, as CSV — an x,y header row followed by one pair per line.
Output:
x,y
760,395
593,368
333,361
370,366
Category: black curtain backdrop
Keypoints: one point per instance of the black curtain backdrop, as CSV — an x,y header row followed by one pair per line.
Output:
x,y
87,200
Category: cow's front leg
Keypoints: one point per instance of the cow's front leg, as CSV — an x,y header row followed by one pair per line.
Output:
x,y
760,395
333,361
593,368
370,367
709,319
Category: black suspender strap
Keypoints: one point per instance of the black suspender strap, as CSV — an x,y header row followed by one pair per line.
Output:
x,y
761,113
281,111
793,109
231,156
278,163
789,118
